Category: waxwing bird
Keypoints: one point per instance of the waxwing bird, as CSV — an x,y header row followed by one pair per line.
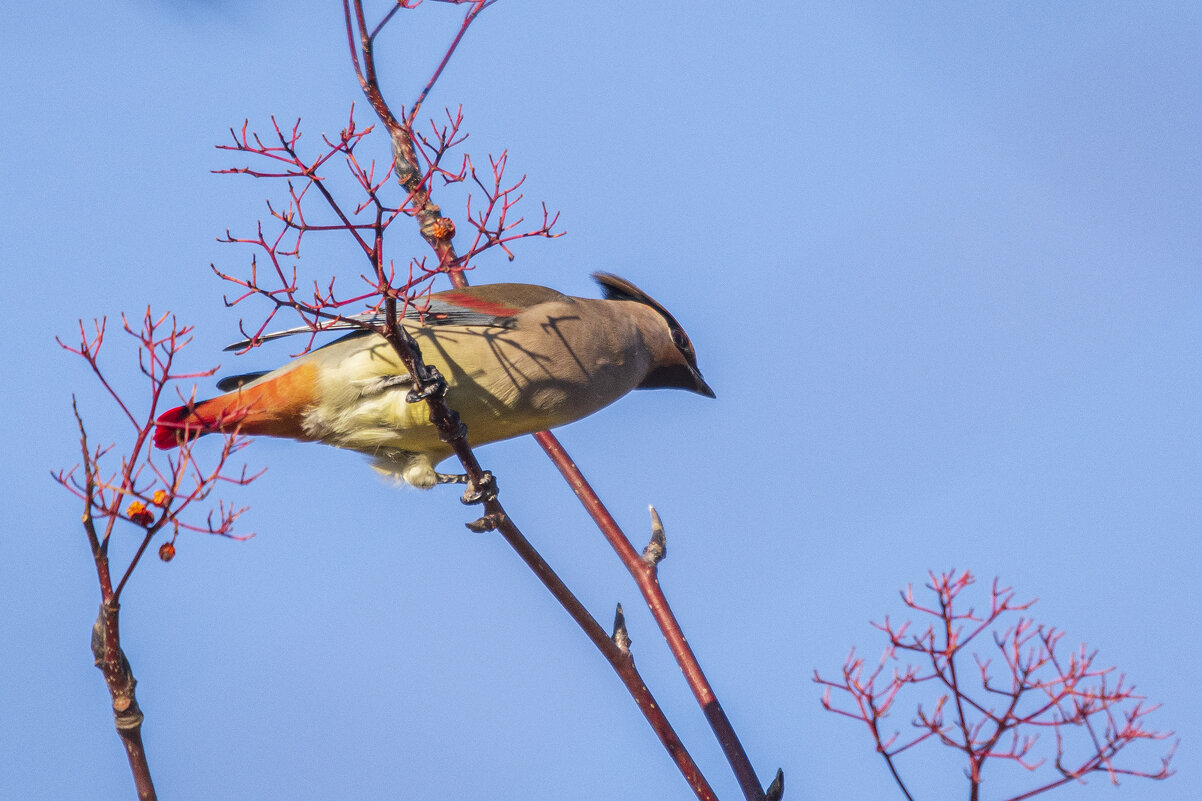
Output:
x,y
517,359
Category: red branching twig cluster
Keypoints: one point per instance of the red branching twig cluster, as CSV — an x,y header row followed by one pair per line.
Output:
x,y
366,218
143,481
143,492
995,707
493,225
491,218
365,223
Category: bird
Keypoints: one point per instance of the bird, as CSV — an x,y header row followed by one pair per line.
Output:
x,y
517,359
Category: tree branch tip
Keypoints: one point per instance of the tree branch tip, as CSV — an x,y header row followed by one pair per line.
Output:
x,y
620,636
657,548
776,790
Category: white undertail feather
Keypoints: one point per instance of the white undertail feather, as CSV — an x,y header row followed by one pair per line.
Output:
x,y
414,469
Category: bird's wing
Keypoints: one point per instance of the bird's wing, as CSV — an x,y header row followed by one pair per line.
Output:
x,y
488,305
232,382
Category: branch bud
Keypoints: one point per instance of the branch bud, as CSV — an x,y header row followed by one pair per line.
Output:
x,y
776,790
621,637
657,548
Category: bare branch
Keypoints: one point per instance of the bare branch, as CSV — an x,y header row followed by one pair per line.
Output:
x,y
1036,689
142,494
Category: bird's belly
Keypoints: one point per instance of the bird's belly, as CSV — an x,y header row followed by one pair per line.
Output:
x,y
501,388
534,407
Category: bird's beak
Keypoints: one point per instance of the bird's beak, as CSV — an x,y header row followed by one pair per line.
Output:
x,y
677,376
700,387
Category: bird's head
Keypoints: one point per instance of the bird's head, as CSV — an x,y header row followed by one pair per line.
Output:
x,y
675,369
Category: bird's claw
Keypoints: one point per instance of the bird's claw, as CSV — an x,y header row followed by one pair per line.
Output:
x,y
483,493
472,494
432,386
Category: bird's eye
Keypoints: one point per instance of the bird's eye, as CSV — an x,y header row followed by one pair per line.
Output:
x,y
679,339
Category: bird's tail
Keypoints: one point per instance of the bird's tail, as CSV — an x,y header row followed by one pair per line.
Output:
x,y
223,413
270,407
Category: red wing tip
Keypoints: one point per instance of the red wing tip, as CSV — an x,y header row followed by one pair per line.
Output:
x,y
481,305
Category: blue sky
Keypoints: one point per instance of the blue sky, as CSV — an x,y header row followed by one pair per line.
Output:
x,y
940,262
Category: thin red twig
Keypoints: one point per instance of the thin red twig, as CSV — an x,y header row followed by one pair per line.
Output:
x,y
1036,689
142,494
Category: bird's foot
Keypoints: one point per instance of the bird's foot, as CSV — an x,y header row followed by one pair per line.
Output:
x,y
483,493
472,494
433,385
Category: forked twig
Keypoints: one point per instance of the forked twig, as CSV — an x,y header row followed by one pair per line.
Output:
x,y
142,494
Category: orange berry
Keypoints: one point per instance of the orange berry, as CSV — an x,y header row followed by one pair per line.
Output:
x,y
138,513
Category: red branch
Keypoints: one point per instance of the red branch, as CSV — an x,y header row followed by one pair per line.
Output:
x,y
320,306
644,568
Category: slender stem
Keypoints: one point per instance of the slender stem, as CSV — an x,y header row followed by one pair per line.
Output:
x,y
447,422
1043,789
450,429
134,561
951,647
621,661
645,576
476,8
118,675
873,723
